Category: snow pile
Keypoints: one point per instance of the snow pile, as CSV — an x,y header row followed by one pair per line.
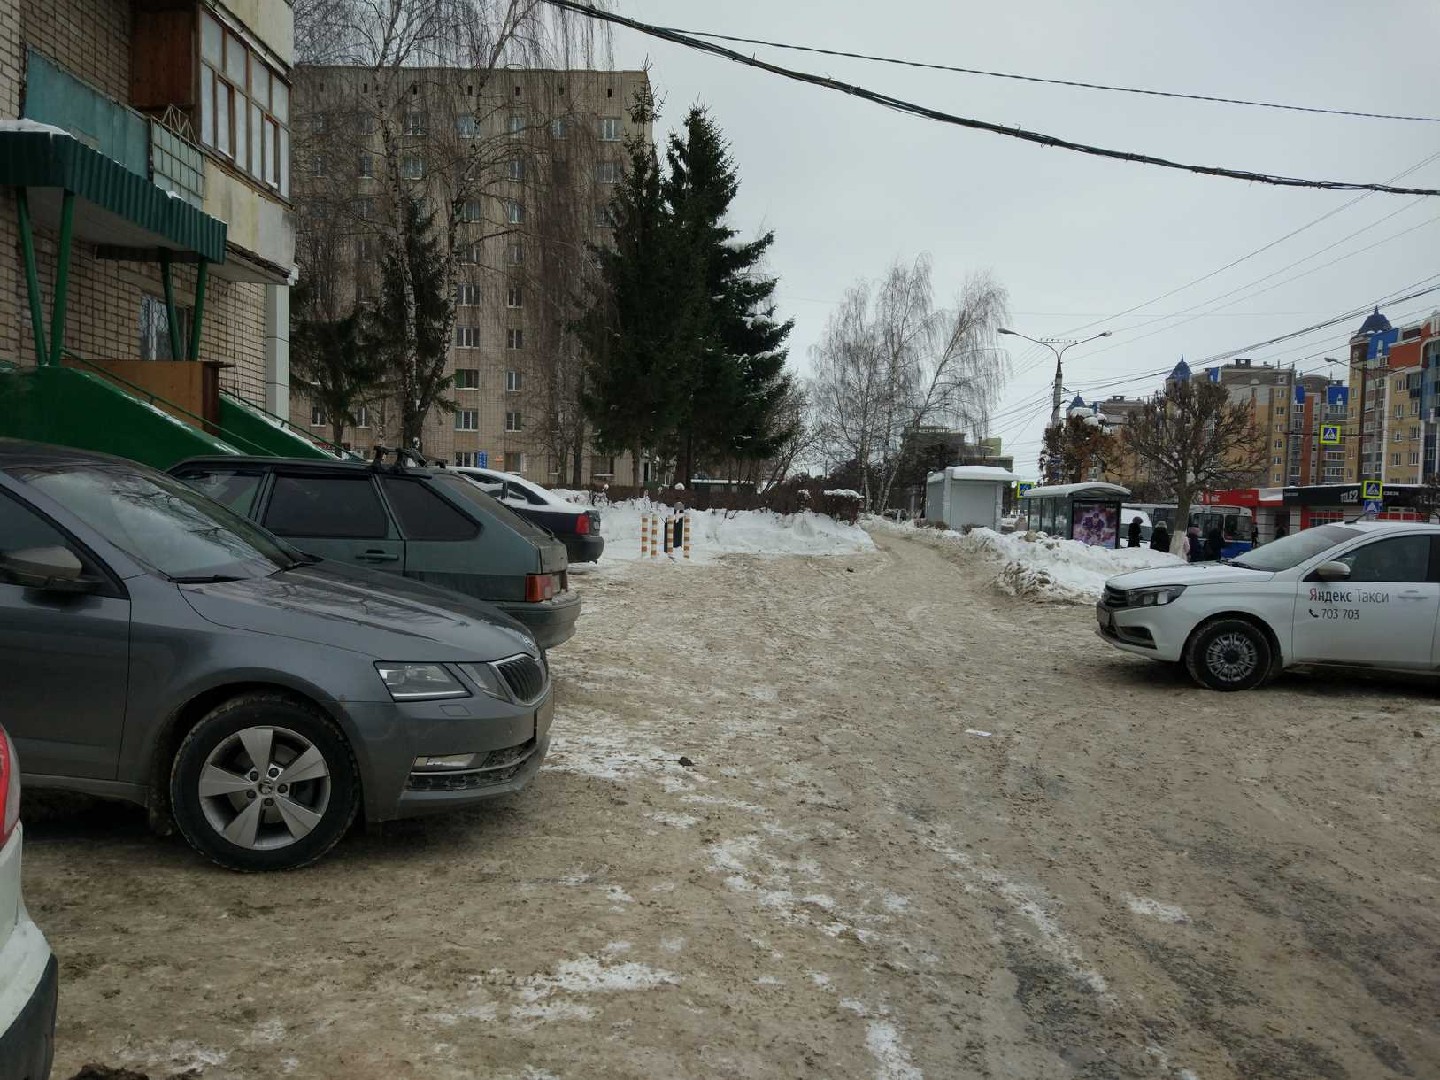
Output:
x,y
733,532
1041,567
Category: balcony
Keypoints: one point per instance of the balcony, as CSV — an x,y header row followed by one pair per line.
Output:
x,y
146,147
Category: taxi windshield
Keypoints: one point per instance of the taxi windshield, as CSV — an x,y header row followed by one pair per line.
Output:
x,y
1291,551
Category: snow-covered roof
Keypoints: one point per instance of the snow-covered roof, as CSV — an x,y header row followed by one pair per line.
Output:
x,y
1093,487
992,473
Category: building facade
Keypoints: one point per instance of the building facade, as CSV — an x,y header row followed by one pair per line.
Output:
x,y
518,168
154,135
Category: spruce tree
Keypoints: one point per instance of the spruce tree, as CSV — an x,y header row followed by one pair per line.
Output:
x,y
328,364
733,353
409,329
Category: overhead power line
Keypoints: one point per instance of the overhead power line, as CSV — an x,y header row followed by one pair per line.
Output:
x,y
913,109
1053,82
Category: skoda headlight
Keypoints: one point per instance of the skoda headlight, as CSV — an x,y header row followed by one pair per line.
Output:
x,y
486,678
419,682
1164,594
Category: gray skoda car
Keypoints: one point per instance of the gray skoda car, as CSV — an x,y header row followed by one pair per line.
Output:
x,y
161,649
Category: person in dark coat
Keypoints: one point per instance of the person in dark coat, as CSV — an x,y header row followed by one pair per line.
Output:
x,y
1214,545
1133,535
1194,544
1281,530
1160,537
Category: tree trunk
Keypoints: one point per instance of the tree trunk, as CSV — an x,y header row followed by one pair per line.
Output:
x,y
337,432
635,467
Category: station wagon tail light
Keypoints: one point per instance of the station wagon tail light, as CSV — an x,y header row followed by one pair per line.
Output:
x,y
9,789
540,587
582,525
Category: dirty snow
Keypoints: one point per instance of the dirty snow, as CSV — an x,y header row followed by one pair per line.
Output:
x,y
1143,905
734,532
1041,567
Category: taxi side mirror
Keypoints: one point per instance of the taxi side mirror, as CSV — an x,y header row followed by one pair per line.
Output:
x,y
1331,571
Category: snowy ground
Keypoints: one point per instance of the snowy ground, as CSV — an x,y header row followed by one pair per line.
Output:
x,y
925,830
1037,566
736,532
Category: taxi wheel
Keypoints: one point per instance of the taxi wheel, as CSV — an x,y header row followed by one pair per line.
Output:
x,y
1229,654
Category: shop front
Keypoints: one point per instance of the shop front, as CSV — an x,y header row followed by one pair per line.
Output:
x,y
1326,504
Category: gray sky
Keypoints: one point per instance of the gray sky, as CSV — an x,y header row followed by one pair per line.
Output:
x,y
848,186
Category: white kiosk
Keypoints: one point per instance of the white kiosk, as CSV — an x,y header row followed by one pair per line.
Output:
x,y
967,495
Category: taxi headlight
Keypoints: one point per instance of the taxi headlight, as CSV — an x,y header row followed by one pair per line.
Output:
x,y
1164,594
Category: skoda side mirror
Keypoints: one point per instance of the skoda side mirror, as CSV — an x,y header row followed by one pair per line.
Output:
x,y
1331,571
52,569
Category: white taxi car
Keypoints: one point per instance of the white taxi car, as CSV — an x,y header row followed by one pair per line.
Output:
x,y
1365,594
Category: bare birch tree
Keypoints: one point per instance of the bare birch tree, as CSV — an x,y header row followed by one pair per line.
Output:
x,y
890,363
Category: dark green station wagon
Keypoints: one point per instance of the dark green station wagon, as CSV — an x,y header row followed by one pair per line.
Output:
x,y
424,523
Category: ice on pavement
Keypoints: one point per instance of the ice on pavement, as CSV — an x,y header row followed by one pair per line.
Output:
x,y
1043,567
732,532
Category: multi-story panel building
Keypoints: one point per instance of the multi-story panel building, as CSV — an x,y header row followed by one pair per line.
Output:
x,y
1387,419
518,168
144,159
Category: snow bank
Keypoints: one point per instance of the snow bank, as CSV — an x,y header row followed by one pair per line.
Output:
x,y
1042,567
734,532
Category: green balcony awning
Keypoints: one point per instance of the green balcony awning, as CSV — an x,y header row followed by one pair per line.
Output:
x,y
113,206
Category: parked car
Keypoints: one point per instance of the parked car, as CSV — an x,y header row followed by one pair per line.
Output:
x,y
578,527
29,980
427,524
1363,595
162,649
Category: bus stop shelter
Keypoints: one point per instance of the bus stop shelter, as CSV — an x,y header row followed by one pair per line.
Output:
x,y
1087,512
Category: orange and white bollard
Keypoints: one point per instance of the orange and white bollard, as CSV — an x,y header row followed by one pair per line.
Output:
x,y
654,535
644,535
685,533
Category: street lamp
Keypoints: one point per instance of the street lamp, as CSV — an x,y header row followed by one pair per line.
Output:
x,y
1051,343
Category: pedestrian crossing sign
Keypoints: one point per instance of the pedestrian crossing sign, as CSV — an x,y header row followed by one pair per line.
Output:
x,y
1329,434
1372,491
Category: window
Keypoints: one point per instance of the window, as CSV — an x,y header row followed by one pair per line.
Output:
x,y
317,165
513,297
367,166
1394,459
465,458
515,124
1279,444
512,421
412,167
467,294
415,123
467,378
367,124
317,416
514,339
559,128
1414,433
1281,410
1414,457
364,208
1277,461
1399,410
362,417
470,253
609,129
517,169
467,420
515,463
472,210
467,337
515,254
331,506
244,106
1414,408
231,488
515,212
466,127
607,172
604,219
1400,558
424,515
155,329
1397,436
512,381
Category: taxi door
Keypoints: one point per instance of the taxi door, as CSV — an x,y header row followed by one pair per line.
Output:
x,y
1384,613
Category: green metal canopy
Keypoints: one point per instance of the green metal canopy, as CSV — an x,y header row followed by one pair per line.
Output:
x,y
114,205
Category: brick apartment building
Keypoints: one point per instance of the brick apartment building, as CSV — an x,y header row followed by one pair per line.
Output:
x,y
518,168
1394,394
163,127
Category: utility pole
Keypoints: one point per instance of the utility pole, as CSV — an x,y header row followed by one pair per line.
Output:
x,y
1050,343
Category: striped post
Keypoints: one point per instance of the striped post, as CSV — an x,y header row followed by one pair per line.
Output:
x,y
654,535
685,518
644,534
669,535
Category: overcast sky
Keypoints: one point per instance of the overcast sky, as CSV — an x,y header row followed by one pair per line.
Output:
x,y
848,186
